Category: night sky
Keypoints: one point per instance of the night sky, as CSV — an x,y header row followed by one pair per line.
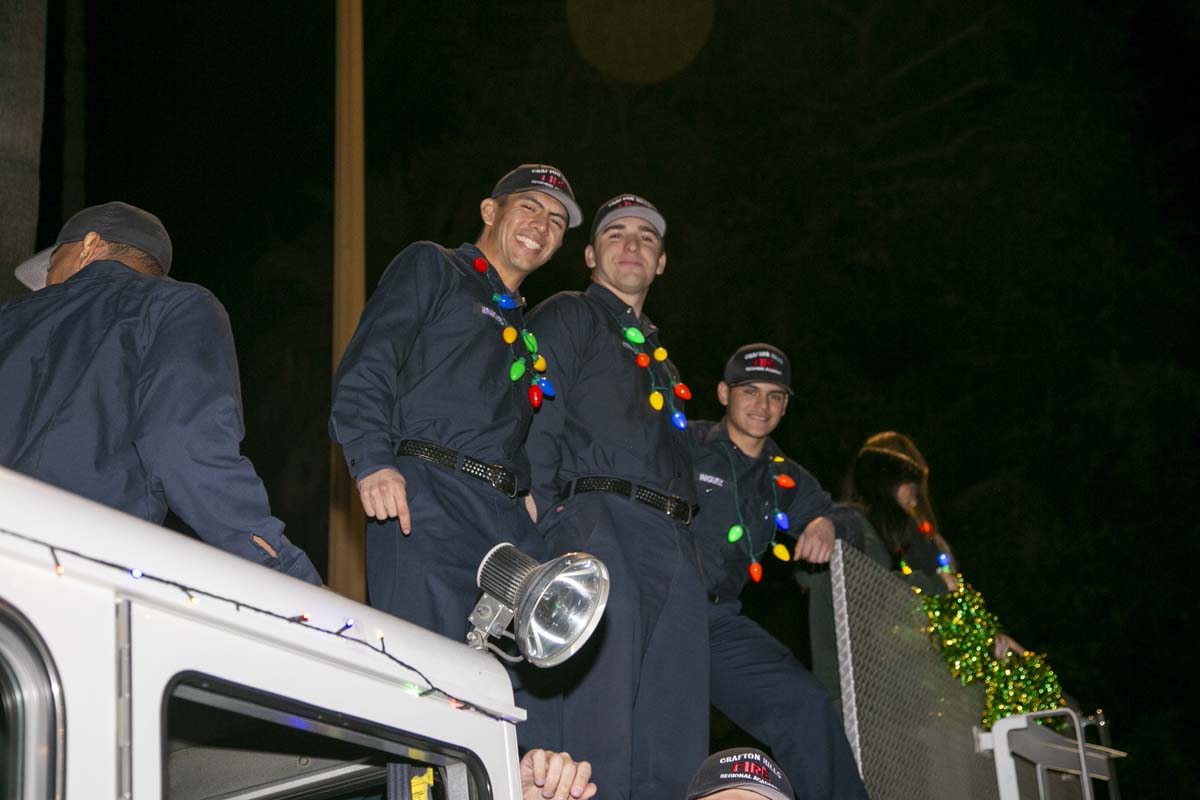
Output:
x,y
973,222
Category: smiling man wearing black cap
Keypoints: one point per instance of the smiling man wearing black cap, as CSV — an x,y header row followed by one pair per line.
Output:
x,y
121,385
752,497
612,476
433,399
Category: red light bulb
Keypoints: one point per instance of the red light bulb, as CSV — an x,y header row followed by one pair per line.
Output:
x,y
756,572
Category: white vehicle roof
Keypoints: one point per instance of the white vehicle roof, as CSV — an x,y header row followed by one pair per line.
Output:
x,y
42,525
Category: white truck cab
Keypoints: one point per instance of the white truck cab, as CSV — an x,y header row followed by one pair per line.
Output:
x,y
136,662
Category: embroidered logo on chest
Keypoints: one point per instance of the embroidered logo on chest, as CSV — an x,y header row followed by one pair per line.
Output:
x,y
704,477
493,313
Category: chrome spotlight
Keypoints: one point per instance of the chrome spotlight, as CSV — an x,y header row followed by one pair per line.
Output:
x,y
556,605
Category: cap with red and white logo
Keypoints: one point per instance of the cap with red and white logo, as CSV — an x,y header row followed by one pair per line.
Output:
x,y
755,363
740,768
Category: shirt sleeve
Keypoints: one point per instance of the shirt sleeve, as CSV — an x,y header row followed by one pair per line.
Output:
x,y
811,501
365,386
556,323
188,430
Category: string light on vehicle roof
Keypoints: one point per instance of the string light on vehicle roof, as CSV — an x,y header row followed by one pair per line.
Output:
x,y
193,595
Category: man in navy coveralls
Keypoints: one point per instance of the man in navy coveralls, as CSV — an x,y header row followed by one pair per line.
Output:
x,y
752,495
612,476
121,385
432,402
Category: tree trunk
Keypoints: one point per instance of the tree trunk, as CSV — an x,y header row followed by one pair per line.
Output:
x,y
22,71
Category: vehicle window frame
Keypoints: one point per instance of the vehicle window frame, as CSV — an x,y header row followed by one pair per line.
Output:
x,y
264,705
21,645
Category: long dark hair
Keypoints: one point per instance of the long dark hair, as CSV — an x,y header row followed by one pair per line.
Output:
x,y
886,461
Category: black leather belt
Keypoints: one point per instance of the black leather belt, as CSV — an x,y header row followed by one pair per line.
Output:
x,y
493,475
674,507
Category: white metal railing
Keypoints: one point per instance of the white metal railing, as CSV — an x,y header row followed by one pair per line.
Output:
x,y
915,729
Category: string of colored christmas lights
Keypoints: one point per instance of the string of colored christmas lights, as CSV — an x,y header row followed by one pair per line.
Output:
x,y
778,517
943,558
966,632
539,385
657,398
194,594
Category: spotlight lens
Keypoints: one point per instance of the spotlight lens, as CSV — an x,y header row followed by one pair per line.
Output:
x,y
562,608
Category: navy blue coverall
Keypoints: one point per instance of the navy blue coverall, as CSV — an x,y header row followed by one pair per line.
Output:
x,y
428,364
635,698
123,388
756,681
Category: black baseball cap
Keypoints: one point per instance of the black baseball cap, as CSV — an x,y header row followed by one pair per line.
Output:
x,y
740,768
545,179
629,205
115,222
754,363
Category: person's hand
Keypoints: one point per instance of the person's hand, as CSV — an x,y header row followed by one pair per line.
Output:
x,y
546,775
951,581
531,507
815,544
1003,645
384,495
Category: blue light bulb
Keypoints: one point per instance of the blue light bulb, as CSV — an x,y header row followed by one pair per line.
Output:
x,y
506,302
944,559
679,420
547,386
781,520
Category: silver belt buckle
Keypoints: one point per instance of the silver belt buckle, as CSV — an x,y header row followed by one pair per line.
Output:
x,y
496,478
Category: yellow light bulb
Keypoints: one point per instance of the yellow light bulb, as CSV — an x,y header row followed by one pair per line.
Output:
x,y
539,364
509,334
780,551
660,354
656,400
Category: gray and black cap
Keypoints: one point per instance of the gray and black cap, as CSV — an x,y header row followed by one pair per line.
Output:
x,y
545,179
629,205
115,222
